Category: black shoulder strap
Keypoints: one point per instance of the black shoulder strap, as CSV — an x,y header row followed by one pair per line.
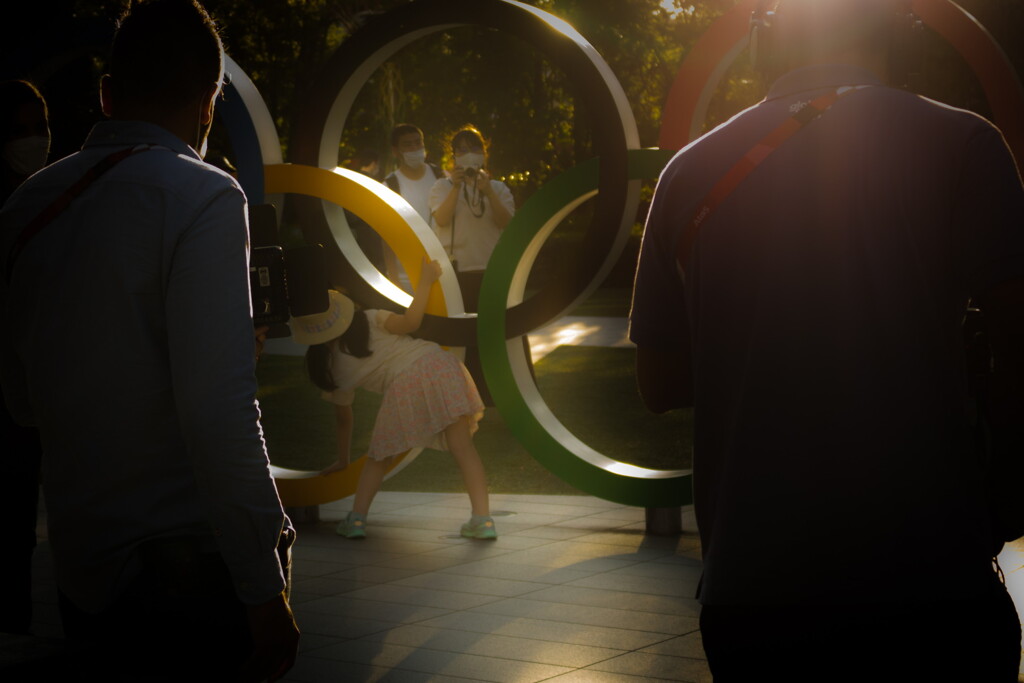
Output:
x,y
804,115
391,180
57,207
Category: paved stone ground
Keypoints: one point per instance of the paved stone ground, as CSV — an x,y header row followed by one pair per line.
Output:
x,y
572,590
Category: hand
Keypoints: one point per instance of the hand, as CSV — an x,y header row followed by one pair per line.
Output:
x,y
430,271
457,176
275,639
336,466
483,180
260,334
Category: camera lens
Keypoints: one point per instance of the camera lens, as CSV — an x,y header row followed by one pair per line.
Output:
x,y
470,173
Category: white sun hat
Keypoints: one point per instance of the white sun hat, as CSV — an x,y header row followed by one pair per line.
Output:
x,y
323,327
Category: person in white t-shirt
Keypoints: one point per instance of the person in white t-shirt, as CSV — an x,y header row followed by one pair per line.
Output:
x,y
470,210
414,176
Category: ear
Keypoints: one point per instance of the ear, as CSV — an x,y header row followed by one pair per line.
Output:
x,y
106,99
208,102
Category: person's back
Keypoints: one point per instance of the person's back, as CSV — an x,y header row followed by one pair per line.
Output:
x,y
838,493
826,302
96,295
132,349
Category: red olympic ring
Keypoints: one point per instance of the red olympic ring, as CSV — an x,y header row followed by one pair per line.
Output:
x,y
700,72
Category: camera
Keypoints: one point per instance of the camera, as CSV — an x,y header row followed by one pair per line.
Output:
x,y
283,282
470,172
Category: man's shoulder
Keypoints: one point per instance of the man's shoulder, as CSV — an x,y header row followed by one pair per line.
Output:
x,y
161,159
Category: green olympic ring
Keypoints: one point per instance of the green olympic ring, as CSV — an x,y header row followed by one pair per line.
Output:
x,y
514,391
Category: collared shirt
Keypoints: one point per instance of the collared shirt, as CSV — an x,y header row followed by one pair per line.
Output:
x,y
130,345
824,301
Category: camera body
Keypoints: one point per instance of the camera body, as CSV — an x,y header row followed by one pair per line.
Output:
x,y
283,282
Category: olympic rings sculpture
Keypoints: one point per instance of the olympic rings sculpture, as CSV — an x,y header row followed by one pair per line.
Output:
x,y
504,315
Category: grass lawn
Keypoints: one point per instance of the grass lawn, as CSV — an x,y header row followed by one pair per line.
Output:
x,y
591,390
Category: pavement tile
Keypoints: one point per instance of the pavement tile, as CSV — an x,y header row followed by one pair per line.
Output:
x,y
424,563
657,666
474,667
319,670
392,612
374,574
483,585
417,595
337,625
689,645
623,513
589,523
474,550
551,533
681,585
502,568
430,527
579,556
343,554
325,585
575,594
525,499
591,616
635,538
591,676
438,510
549,509
492,645
313,641
551,631
659,568
524,519
317,568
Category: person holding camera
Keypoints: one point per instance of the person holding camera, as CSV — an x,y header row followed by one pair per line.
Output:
x,y
470,210
130,345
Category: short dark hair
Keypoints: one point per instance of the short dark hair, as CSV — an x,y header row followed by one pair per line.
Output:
x,y
403,129
165,53
13,96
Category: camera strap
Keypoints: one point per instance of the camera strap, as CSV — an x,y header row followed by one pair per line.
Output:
x,y
805,114
57,207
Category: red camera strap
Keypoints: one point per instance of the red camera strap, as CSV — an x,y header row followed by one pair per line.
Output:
x,y
758,153
57,207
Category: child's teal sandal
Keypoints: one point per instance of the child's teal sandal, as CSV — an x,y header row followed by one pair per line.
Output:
x,y
479,526
353,526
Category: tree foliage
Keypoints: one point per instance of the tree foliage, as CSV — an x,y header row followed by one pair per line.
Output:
x,y
518,98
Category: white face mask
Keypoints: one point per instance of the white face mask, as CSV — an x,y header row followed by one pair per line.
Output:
x,y
470,160
25,156
415,159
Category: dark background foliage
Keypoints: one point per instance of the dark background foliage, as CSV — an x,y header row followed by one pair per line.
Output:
x,y
520,100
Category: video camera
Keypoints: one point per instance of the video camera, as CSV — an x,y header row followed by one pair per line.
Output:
x,y
283,282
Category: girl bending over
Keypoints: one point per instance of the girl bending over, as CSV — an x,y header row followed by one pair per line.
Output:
x,y
429,398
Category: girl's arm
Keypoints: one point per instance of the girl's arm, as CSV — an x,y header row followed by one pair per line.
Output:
x,y
410,321
343,419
